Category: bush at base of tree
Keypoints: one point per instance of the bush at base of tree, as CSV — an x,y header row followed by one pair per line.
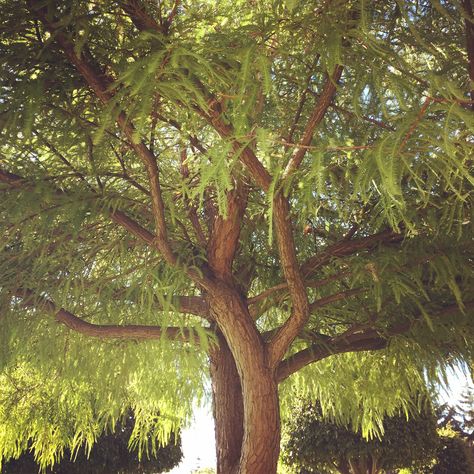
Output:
x,y
454,455
318,445
110,454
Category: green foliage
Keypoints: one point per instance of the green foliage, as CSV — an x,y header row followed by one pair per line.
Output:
x,y
68,413
316,443
110,453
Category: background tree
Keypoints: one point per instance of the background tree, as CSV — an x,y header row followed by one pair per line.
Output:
x,y
263,191
316,444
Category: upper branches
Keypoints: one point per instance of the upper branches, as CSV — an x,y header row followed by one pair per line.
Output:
x,y
319,111
100,84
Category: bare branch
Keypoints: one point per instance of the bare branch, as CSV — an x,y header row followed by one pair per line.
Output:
x,y
283,286
302,101
342,295
126,176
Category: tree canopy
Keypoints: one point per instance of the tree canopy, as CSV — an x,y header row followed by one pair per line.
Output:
x,y
280,191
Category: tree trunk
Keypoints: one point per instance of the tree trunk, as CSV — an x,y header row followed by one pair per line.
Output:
x,y
259,390
261,445
227,407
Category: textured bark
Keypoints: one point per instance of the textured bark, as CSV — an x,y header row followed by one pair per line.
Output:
x,y
228,408
261,443
261,434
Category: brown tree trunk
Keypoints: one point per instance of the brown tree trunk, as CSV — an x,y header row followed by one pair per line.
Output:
x,y
259,390
261,445
227,407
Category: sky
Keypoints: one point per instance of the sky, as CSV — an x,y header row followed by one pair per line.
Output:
x,y
199,443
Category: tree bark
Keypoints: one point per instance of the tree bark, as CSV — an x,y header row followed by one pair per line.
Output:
x,y
259,389
228,409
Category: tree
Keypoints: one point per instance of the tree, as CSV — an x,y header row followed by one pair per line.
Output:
x,y
277,192
317,444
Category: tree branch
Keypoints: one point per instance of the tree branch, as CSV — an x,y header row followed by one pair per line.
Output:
x,y
469,25
100,85
135,332
350,341
192,212
225,233
284,285
116,215
302,101
213,117
139,17
280,342
342,295
345,248
246,155
317,116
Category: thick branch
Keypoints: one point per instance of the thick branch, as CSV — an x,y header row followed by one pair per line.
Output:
x,y
349,341
246,155
139,17
282,339
317,116
136,332
225,233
